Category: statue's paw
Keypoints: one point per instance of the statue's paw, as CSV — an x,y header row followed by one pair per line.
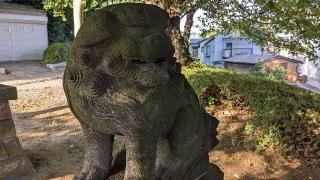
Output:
x,y
169,175
92,173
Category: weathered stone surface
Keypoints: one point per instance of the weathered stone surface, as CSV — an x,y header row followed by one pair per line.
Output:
x,y
17,168
7,129
213,173
5,112
13,165
12,146
122,79
7,93
3,152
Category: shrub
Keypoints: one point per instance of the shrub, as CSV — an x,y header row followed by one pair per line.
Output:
x,y
283,116
261,70
56,53
276,74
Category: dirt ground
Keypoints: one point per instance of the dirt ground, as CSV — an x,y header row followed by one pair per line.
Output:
x,y
52,138
27,70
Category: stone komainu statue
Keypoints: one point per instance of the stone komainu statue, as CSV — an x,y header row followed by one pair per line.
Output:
x,y
122,79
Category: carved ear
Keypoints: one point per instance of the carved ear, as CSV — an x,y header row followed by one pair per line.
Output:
x,y
100,27
86,58
115,66
151,44
140,15
74,75
96,83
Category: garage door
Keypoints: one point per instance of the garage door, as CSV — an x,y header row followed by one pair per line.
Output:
x,y
22,41
6,46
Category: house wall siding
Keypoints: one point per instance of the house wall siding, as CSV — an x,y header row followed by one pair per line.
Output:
x,y
242,68
218,48
292,68
291,75
20,18
219,43
312,70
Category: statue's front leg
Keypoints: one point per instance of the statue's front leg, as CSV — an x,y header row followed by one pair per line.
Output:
x,y
141,153
98,157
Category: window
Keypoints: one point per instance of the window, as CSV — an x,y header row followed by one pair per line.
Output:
x,y
208,50
229,46
317,63
194,52
202,49
284,65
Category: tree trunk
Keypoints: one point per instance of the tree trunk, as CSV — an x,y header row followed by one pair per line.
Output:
x,y
181,51
189,23
77,15
173,8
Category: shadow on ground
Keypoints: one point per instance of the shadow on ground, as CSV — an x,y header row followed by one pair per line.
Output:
x,y
53,140
27,70
238,162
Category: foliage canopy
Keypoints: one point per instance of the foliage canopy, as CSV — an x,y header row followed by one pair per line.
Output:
x,y
58,7
275,24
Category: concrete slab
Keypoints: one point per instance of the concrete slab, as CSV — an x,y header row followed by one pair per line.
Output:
x,y
28,70
3,71
308,87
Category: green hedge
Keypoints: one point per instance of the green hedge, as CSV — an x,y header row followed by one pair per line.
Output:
x,y
284,116
56,53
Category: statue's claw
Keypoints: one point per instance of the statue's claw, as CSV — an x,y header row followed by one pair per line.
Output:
x,y
92,172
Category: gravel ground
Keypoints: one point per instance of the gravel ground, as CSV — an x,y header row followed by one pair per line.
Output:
x,y
52,137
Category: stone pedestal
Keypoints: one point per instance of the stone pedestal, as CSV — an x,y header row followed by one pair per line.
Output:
x,y
213,173
13,164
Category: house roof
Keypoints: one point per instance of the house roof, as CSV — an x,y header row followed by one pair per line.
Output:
x,y
254,59
9,5
209,40
15,8
195,41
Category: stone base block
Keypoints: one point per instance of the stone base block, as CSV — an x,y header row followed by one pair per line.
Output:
x,y
213,173
7,93
7,129
13,164
10,148
5,112
16,168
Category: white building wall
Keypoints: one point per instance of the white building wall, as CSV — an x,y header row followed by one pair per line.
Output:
x,y
20,18
22,36
237,43
218,48
210,57
219,44
202,56
312,70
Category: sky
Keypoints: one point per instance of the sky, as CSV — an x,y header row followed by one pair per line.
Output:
x,y
196,23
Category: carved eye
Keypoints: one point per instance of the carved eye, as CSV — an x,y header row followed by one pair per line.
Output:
x,y
86,58
96,83
116,65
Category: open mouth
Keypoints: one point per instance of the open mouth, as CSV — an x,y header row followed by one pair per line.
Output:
x,y
159,62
